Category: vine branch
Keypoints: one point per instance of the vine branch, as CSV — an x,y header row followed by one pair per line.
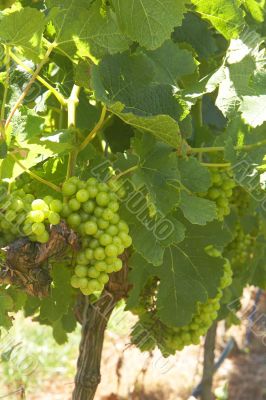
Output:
x,y
95,130
6,87
35,176
72,111
29,85
53,90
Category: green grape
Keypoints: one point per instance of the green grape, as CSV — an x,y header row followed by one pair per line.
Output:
x,y
43,238
81,258
113,206
69,188
10,215
88,206
38,228
105,239
102,199
81,271
89,254
74,220
93,191
103,278
94,286
101,266
113,230
82,196
108,215
99,254
74,204
53,218
92,181
102,224
84,283
48,200
90,228
98,212
36,216
93,272
39,204
74,282
56,206
66,211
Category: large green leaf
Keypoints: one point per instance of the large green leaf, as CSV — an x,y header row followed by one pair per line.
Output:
x,y
187,276
82,28
149,22
125,84
225,15
157,172
23,28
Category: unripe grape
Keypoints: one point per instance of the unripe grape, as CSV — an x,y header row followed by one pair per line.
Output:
x,y
81,271
56,206
82,195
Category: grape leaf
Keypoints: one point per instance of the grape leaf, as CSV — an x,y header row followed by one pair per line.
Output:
x,y
197,210
23,28
194,176
225,15
55,306
152,235
125,84
196,32
243,87
6,305
149,22
172,63
82,28
185,273
157,172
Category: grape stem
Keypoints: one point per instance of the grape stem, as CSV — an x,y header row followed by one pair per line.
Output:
x,y
95,130
72,104
35,176
53,90
29,85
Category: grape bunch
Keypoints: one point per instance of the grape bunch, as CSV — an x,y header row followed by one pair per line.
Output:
x,y
150,332
42,214
13,211
240,249
91,209
221,191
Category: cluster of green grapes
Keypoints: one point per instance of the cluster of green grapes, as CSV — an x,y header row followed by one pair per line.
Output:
x,y
42,214
13,211
150,332
240,249
91,209
221,191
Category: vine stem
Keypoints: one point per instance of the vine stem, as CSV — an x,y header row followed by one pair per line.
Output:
x,y
53,90
127,171
32,80
245,147
95,130
6,87
213,165
35,176
72,103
